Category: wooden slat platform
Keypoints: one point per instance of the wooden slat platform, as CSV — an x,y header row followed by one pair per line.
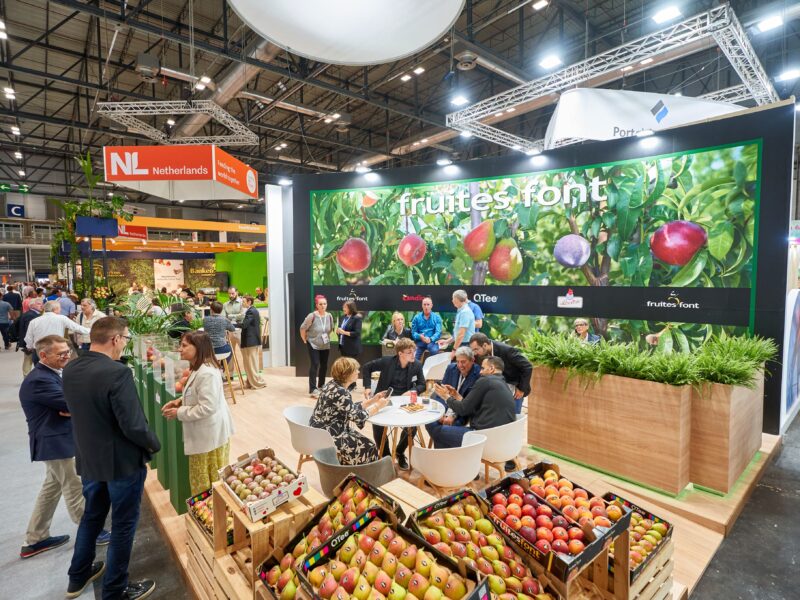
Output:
x,y
701,519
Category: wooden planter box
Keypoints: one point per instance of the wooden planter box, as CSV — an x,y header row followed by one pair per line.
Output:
x,y
637,430
726,433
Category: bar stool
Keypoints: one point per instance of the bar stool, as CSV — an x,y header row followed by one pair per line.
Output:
x,y
233,342
223,358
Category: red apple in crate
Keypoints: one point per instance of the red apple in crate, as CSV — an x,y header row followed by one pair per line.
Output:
x,y
543,546
499,498
560,546
516,489
575,547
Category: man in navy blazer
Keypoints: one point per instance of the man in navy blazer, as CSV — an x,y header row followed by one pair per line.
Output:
x,y
50,433
458,379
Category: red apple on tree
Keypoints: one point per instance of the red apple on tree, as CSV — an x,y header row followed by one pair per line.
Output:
x,y
354,256
676,242
412,249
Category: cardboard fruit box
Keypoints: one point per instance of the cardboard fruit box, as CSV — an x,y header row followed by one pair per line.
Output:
x,y
308,571
564,567
258,509
635,572
521,565
198,505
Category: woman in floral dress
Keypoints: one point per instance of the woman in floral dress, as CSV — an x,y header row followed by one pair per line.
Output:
x,y
336,412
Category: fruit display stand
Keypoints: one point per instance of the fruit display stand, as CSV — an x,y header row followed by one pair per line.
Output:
x,y
235,563
406,563
200,546
591,423
726,432
159,423
176,459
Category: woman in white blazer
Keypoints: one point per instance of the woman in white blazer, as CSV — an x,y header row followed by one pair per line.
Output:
x,y
206,418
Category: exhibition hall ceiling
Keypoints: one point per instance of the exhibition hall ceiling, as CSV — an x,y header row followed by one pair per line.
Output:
x,y
60,58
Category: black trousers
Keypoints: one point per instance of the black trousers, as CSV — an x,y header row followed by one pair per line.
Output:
x,y
318,368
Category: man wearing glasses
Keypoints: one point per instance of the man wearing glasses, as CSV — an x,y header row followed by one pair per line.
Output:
x,y
581,327
50,435
112,446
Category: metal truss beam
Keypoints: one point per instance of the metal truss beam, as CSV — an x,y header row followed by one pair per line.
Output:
x,y
736,46
735,94
126,113
719,23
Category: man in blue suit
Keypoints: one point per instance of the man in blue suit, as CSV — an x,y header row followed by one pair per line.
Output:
x,y
50,433
458,379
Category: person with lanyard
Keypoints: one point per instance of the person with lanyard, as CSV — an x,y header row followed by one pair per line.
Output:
x,y
315,331
464,326
426,329
403,374
349,331
87,317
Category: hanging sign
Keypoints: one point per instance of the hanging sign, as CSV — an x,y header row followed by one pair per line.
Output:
x,y
181,172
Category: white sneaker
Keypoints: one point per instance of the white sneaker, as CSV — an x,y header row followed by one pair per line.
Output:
x,y
315,393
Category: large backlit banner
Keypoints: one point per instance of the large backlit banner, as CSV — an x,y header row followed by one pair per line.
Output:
x,y
661,241
661,238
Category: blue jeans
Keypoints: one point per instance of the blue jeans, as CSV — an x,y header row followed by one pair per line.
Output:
x,y
446,436
223,350
432,348
4,332
124,498
518,404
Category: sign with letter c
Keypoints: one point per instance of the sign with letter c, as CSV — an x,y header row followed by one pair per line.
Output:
x,y
15,210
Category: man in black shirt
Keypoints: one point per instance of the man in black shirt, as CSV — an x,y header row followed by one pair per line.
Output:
x,y
517,371
488,404
403,374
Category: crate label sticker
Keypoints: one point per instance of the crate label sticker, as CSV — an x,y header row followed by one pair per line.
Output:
x,y
281,498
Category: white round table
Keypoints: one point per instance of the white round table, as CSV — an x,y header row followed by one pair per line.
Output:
x,y
394,419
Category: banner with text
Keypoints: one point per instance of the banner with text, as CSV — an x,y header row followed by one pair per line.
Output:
x,y
168,273
648,242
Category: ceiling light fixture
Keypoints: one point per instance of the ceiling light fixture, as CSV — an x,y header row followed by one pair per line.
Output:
x,y
181,201
9,90
205,79
770,22
335,116
21,173
550,61
540,4
788,75
459,100
466,134
405,77
15,130
533,151
628,68
362,169
199,86
538,160
500,114
510,110
443,162
18,155
170,122
451,169
415,144
516,147
371,176
3,35
667,14
419,70
424,140
328,121
2,25
284,181
646,61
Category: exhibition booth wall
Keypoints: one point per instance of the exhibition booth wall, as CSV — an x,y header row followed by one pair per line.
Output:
x,y
664,239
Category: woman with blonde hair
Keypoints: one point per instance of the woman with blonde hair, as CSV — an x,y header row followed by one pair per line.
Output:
x,y
336,412
397,329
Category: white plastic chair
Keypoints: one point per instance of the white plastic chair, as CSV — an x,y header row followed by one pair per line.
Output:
x,y
503,443
450,468
305,439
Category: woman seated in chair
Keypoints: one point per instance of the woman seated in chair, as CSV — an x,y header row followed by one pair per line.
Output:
x,y
335,411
